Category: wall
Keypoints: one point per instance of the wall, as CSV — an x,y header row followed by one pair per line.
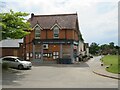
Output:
x,y
48,34
11,52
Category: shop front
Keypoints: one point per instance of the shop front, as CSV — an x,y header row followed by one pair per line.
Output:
x,y
51,50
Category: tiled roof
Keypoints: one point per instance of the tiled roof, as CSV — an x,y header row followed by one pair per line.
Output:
x,y
65,21
11,43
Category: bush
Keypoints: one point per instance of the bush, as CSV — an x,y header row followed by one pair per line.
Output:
x,y
5,66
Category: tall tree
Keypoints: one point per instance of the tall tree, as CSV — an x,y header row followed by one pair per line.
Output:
x,y
104,49
111,45
94,48
14,25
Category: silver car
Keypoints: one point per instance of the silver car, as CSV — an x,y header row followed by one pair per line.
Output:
x,y
16,62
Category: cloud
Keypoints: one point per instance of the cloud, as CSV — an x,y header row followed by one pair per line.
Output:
x,y
97,18
97,26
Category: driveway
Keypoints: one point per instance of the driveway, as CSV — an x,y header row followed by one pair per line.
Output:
x,y
57,76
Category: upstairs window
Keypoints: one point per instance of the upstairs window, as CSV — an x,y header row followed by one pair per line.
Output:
x,y
56,32
37,32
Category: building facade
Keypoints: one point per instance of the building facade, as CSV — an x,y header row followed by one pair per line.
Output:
x,y
52,37
11,47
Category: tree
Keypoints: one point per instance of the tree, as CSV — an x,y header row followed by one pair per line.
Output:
x,y
118,49
109,49
104,49
94,48
14,25
111,45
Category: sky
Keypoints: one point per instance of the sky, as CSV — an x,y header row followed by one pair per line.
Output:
x,y
98,19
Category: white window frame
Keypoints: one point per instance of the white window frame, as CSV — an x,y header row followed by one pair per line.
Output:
x,y
55,32
37,25
37,32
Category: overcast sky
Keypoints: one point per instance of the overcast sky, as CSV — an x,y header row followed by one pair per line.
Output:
x,y
98,19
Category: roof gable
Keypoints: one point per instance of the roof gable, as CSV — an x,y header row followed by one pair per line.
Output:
x,y
54,26
38,26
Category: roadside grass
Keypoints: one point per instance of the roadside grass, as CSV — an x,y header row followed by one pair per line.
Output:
x,y
112,62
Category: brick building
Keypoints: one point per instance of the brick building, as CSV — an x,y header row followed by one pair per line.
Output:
x,y
52,37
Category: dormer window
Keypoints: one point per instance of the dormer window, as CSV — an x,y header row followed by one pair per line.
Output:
x,y
56,32
37,32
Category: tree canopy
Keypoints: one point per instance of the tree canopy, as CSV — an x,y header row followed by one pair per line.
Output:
x,y
94,48
104,49
14,25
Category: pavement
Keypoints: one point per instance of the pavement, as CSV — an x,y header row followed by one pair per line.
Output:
x,y
95,66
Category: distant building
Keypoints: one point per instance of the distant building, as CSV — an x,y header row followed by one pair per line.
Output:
x,y
11,47
53,36
86,46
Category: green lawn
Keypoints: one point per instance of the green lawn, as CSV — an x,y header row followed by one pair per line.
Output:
x,y
112,61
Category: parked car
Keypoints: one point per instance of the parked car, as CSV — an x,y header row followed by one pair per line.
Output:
x,y
16,62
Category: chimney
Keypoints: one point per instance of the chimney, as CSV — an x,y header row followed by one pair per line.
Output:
x,y
32,15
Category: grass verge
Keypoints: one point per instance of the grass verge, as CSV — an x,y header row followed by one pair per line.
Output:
x,y
112,62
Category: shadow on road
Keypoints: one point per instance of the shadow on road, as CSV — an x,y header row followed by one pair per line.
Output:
x,y
11,77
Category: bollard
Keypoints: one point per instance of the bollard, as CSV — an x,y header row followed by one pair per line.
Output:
x,y
107,67
102,64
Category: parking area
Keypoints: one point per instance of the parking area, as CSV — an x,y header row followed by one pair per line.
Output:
x,y
57,76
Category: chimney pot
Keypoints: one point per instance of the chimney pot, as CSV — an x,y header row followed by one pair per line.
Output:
x,y
32,15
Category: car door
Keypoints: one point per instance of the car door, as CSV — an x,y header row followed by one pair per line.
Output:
x,y
6,60
13,62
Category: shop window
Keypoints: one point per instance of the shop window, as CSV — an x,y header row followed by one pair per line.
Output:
x,y
55,55
27,56
37,55
31,54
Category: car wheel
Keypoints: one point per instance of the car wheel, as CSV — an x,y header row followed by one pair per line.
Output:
x,y
20,67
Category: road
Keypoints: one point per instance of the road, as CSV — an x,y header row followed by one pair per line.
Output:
x,y
58,76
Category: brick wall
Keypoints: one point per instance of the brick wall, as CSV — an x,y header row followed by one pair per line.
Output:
x,y
48,34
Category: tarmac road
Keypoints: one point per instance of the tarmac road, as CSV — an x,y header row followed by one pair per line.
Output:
x,y
57,76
